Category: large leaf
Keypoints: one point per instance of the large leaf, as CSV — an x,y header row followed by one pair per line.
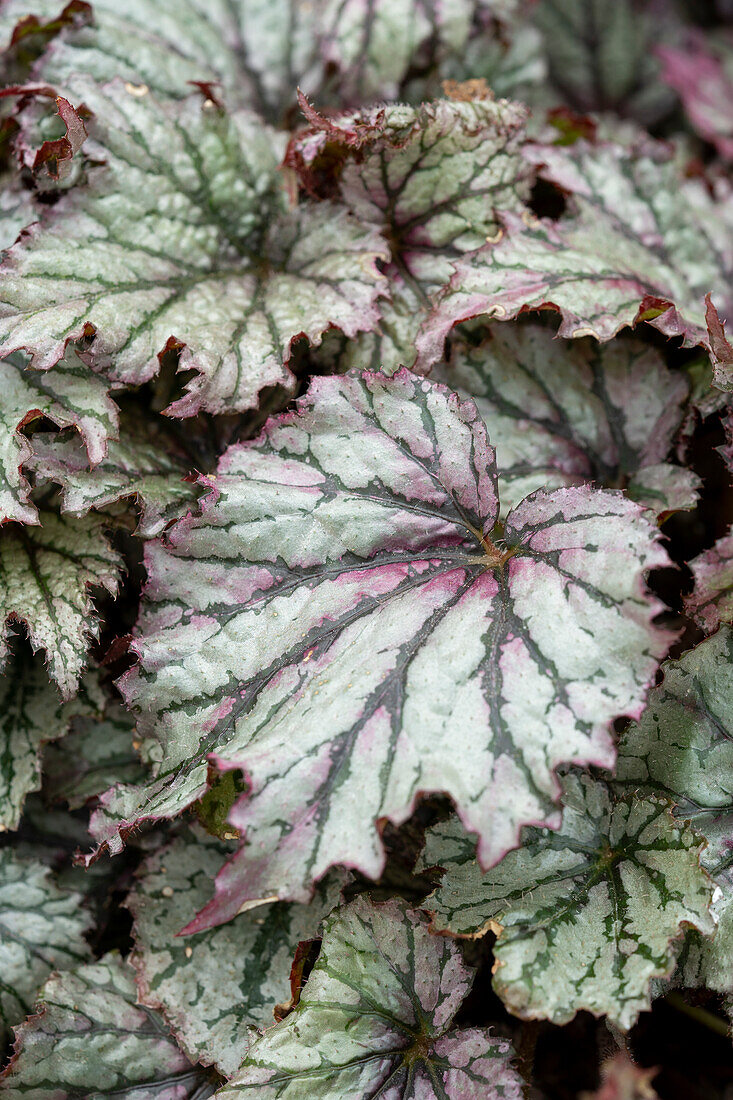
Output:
x,y
216,988
601,56
711,601
431,180
143,464
195,250
90,1040
30,716
566,413
41,929
701,72
70,395
586,916
638,244
46,574
339,624
375,1020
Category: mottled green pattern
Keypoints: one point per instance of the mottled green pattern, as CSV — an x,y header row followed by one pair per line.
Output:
x,y
587,915
374,1020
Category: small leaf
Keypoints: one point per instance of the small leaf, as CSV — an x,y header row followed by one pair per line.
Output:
x,y
639,243
31,715
339,625
375,1020
566,413
217,989
45,576
711,601
90,1039
621,1079
196,251
70,395
586,916
41,929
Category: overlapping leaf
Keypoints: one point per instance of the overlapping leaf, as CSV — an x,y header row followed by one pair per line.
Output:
x,y
195,250
91,1039
70,395
431,180
338,624
41,929
711,601
46,574
701,72
637,244
143,464
375,1020
217,988
587,915
30,716
564,414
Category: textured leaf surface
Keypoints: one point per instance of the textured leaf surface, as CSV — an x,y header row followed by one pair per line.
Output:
x,y
97,753
711,601
90,1039
41,929
601,56
30,716
46,573
702,75
196,250
71,396
142,464
565,413
216,988
586,916
639,244
338,613
375,1020
430,179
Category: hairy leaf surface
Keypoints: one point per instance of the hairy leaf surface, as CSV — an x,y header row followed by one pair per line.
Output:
x,y
41,929
217,989
566,413
638,244
338,624
91,1039
195,250
375,1020
71,396
586,916
46,574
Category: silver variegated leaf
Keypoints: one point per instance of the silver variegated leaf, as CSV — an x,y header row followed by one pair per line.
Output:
x,y
31,715
197,251
430,179
70,395
46,574
374,1020
91,1039
639,243
700,70
585,916
217,989
711,601
566,413
41,929
339,623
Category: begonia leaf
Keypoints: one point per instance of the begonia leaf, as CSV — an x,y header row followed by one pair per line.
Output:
x,y
196,251
70,395
31,715
41,929
638,243
91,1039
46,574
701,72
431,180
711,601
217,989
375,1020
563,413
586,916
339,624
